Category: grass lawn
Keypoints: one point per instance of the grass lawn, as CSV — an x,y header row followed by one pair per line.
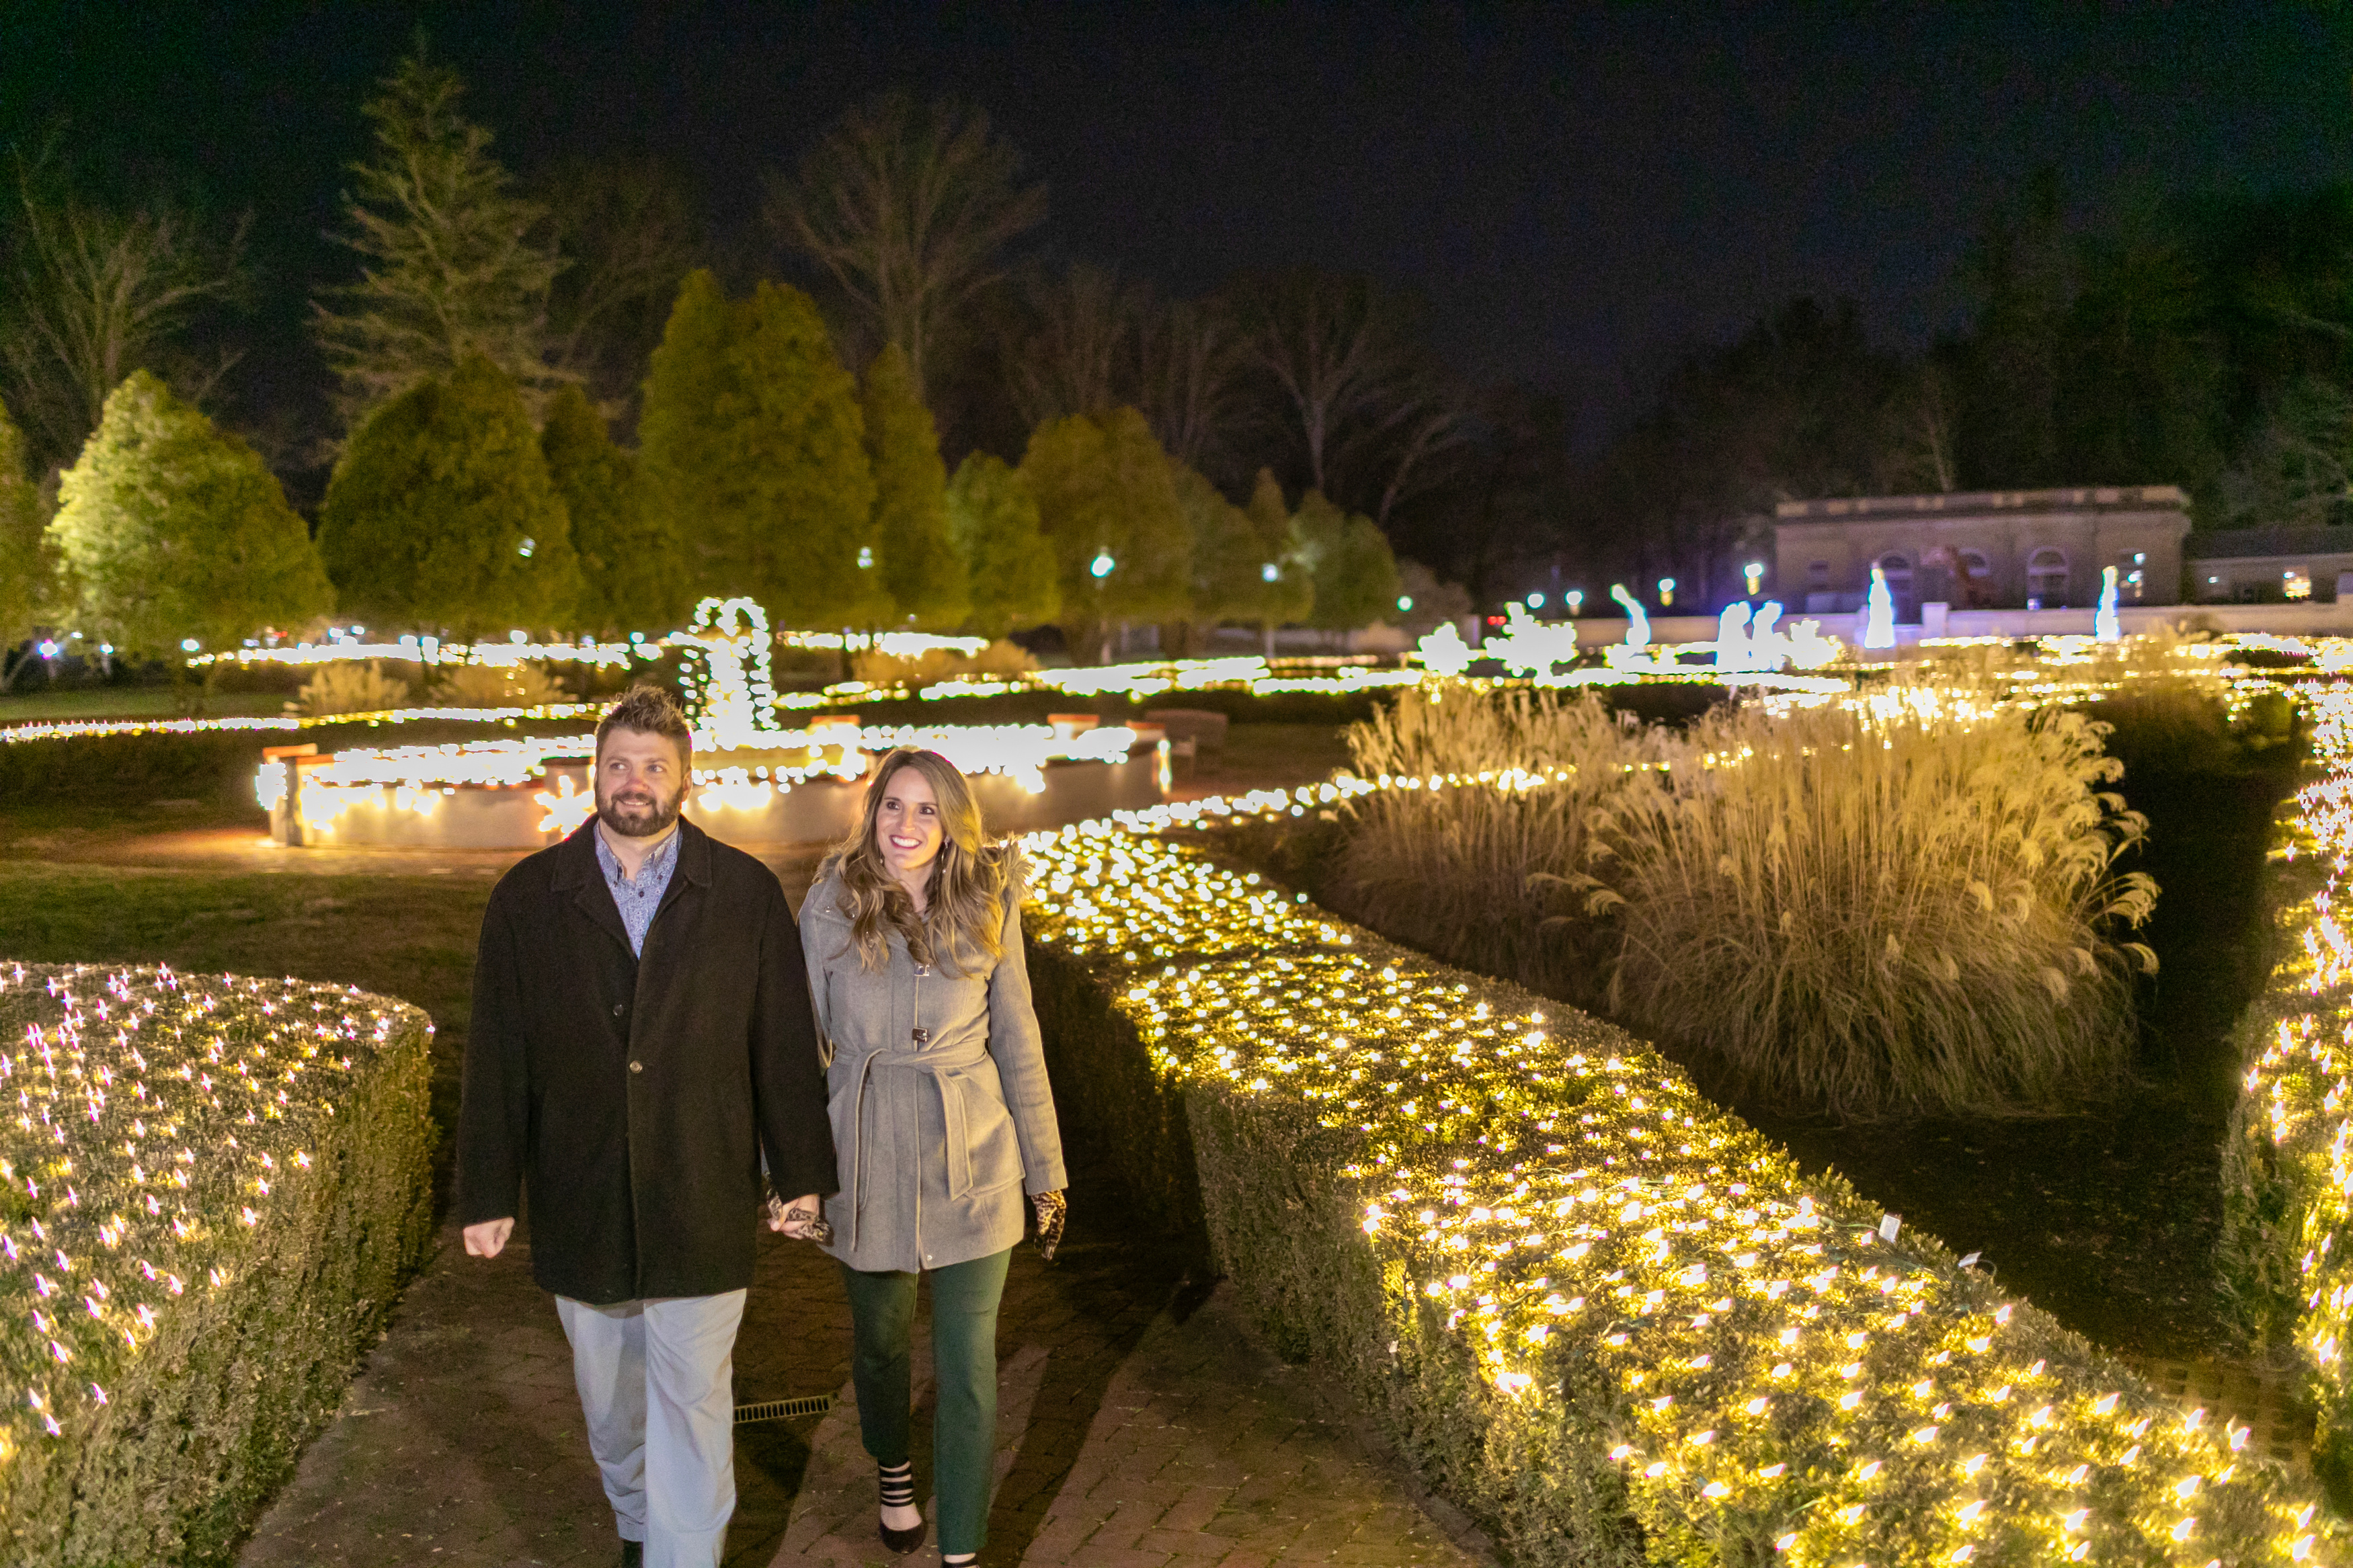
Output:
x,y
130,702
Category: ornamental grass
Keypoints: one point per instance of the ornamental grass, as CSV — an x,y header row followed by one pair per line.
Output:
x,y
1889,908
1895,908
1602,1314
211,1189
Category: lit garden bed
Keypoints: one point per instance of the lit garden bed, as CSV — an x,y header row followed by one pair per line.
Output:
x,y
1605,1315
211,1189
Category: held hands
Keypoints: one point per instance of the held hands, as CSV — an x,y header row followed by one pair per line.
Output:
x,y
802,1219
490,1237
1053,1209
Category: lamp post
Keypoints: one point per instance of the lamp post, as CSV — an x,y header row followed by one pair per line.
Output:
x,y
1100,567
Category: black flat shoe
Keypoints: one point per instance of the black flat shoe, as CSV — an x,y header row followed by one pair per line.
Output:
x,y
901,1542
633,1554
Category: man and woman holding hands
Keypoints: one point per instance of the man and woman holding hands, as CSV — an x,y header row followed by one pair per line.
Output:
x,y
652,1031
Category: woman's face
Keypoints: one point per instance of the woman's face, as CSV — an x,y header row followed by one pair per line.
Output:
x,y
907,827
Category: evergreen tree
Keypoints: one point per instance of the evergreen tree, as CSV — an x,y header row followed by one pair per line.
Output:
x,y
1354,570
631,577
920,570
441,514
452,264
27,560
1107,498
1289,594
993,520
753,451
173,531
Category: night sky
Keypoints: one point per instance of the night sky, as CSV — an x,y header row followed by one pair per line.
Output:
x,y
1578,191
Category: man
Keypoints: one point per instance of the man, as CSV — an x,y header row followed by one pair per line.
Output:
x,y
641,1035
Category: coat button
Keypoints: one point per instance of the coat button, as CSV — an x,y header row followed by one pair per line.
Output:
x,y
922,1036
619,1008
636,1067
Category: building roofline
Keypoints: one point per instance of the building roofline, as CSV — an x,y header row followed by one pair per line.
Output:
x,y
1979,503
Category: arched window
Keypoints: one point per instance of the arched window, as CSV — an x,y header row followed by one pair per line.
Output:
x,y
1897,568
1974,567
2046,578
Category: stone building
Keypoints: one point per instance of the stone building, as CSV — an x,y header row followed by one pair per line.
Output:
x,y
2269,565
1985,550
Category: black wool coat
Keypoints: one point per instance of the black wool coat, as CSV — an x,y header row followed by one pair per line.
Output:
x,y
634,1095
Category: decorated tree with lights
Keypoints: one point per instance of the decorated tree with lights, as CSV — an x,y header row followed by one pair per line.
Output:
x,y
1355,571
752,451
175,532
441,515
630,574
920,570
1107,502
1008,561
27,562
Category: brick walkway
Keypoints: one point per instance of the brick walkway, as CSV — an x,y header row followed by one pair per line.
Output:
x,y
1139,1426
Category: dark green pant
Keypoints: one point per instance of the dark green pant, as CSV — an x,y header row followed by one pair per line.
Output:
x,y
963,1364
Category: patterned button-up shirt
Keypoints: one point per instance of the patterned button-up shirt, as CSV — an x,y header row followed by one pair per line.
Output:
x,y
640,899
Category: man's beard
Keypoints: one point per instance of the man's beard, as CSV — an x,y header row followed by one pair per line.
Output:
x,y
638,812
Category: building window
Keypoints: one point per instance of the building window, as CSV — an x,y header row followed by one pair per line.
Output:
x,y
2046,579
1974,567
1817,576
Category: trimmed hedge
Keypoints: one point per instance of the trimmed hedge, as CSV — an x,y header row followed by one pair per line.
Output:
x,y
1605,1316
214,1188
2287,1169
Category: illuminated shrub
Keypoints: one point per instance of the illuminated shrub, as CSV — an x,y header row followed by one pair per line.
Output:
x,y
211,1189
500,685
1604,1315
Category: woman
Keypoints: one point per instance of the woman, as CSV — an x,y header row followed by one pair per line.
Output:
x,y
943,1120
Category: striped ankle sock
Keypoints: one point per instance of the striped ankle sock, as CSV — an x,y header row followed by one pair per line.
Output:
x,y
899,1484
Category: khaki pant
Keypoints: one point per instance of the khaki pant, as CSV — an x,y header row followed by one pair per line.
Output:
x,y
657,1381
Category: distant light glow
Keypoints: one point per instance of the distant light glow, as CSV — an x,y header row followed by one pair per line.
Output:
x,y
1267,574
1101,565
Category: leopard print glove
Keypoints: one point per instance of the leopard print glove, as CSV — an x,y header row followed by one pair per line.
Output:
x,y
1053,1209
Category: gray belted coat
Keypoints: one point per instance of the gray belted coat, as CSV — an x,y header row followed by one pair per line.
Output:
x,y
936,1088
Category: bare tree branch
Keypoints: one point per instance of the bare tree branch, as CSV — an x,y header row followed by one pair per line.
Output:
x,y
909,208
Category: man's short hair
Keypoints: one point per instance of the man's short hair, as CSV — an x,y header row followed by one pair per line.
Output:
x,y
648,710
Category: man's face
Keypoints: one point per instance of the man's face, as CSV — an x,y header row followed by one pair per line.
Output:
x,y
641,783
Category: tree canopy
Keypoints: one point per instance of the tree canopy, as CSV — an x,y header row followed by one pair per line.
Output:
x,y
1107,498
631,576
27,560
173,531
753,451
441,514
922,571
1008,563
1356,574
453,264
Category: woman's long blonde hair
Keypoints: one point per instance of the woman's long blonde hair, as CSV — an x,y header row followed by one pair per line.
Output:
x,y
963,913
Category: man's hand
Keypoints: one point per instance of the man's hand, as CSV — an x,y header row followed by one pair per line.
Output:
x,y
490,1237
779,1215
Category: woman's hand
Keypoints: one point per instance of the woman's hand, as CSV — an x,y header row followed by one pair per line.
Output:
x,y
1053,1209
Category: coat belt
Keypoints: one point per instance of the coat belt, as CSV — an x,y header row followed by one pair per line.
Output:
x,y
939,1063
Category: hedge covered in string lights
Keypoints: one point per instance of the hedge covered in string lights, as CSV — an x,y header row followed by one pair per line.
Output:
x,y
211,1189
2287,1246
1601,1312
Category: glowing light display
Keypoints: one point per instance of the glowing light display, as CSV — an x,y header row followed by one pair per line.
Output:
x,y
1791,1365
152,1123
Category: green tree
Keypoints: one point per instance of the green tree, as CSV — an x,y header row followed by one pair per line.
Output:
x,y
452,263
1008,562
753,448
27,560
631,577
1354,570
173,531
1244,565
441,514
1107,500
922,571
